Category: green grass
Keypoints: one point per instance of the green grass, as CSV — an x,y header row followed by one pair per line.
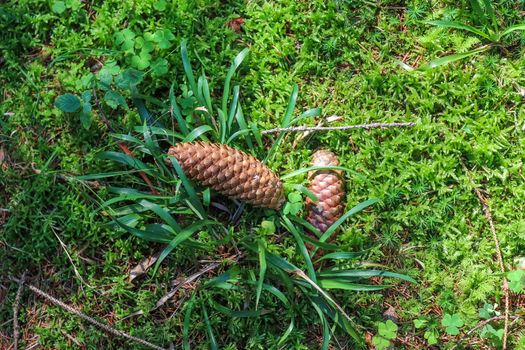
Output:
x,y
343,56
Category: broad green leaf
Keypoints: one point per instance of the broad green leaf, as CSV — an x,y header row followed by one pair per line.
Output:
x,y
68,103
115,99
129,77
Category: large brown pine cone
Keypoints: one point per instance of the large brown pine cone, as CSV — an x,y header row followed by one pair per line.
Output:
x,y
230,172
329,188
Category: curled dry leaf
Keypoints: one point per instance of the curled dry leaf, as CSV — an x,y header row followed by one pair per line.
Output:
x,y
142,267
235,24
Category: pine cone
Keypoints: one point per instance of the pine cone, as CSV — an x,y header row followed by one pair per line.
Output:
x,y
329,188
230,172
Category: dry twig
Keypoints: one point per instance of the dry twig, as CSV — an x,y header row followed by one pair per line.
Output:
x,y
16,307
345,127
85,317
486,210
484,323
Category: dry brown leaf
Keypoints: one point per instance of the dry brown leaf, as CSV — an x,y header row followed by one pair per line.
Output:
x,y
142,267
235,24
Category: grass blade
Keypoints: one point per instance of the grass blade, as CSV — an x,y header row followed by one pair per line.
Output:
x,y
209,330
226,91
302,248
186,325
313,112
345,216
243,125
286,333
459,25
262,272
318,167
187,68
198,132
358,274
513,28
334,283
285,122
194,200
176,112
452,58
341,256
181,237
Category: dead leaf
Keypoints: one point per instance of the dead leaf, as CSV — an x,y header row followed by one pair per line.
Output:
x,y
235,24
2,156
333,118
142,267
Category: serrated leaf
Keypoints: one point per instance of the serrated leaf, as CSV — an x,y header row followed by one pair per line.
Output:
x,y
128,78
85,115
114,99
68,103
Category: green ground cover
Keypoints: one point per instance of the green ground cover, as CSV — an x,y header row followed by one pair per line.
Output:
x,y
344,56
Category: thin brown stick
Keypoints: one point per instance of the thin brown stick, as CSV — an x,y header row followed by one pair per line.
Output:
x,y
484,323
16,307
486,210
345,127
122,146
87,318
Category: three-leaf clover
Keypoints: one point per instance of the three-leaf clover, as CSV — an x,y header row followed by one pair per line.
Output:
x,y
488,311
431,336
160,66
452,323
516,280
294,204
385,332
163,38
125,39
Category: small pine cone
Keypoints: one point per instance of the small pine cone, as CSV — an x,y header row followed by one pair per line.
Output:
x,y
230,172
329,188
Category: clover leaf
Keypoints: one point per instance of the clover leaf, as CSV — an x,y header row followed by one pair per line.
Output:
x,y
163,38
516,280
452,323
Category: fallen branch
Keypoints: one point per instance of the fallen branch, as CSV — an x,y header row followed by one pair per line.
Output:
x,y
345,127
16,307
486,210
85,317
484,323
